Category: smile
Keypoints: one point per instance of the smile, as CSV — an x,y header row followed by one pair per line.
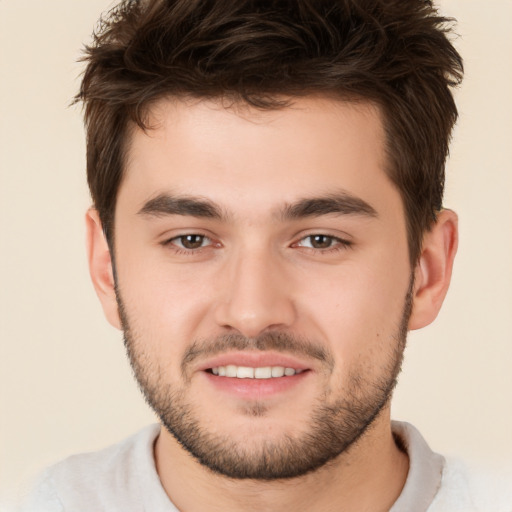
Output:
x,y
247,372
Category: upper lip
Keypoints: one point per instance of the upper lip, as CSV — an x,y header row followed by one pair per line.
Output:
x,y
254,360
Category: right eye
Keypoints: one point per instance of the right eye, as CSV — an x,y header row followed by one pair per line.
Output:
x,y
190,242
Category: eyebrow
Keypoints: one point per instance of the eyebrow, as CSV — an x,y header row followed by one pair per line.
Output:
x,y
342,203
166,204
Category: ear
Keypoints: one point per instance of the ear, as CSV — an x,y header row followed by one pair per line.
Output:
x,y
434,269
100,267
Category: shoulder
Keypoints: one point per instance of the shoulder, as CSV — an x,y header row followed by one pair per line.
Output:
x,y
443,484
103,480
471,488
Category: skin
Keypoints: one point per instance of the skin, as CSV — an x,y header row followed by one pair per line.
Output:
x,y
257,272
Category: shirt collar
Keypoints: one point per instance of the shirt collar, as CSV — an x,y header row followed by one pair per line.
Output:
x,y
425,470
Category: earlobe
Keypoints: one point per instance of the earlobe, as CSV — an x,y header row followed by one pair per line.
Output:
x,y
434,269
100,266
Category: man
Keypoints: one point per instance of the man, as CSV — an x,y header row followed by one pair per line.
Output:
x,y
267,181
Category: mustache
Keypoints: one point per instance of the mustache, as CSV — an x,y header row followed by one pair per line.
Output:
x,y
275,341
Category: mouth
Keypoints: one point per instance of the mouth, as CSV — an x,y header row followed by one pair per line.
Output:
x,y
248,372
250,376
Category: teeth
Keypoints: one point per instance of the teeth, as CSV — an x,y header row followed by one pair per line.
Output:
x,y
246,372
277,371
230,370
263,373
243,372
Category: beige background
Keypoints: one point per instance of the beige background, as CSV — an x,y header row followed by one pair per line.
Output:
x,y
64,383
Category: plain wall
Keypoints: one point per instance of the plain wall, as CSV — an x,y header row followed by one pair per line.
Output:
x,y
65,385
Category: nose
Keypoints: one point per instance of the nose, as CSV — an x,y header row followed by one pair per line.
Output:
x,y
255,294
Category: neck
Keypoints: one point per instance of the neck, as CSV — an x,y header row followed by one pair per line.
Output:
x,y
369,476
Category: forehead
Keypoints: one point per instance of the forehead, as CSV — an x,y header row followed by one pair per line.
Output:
x,y
239,156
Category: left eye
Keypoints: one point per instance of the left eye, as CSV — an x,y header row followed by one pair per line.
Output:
x,y
319,241
191,241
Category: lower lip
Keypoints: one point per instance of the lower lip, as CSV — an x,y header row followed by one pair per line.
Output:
x,y
256,388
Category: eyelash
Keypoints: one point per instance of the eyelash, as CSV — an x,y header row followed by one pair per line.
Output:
x,y
184,250
340,244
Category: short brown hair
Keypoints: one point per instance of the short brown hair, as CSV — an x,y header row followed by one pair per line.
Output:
x,y
394,53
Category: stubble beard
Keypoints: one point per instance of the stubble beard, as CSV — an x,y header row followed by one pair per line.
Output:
x,y
334,424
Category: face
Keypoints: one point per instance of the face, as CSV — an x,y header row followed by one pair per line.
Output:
x,y
263,280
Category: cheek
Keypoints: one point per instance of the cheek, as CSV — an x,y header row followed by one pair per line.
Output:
x,y
357,309
165,305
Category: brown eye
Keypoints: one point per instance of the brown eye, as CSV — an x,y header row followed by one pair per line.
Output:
x,y
323,243
190,241
320,241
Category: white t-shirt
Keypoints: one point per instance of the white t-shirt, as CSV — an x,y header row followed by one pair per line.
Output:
x,y
123,478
